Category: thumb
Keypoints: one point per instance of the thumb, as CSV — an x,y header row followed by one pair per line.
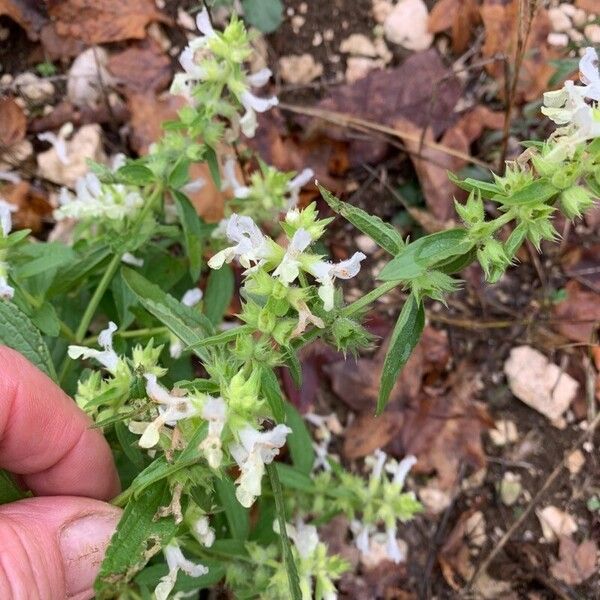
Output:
x,y
52,547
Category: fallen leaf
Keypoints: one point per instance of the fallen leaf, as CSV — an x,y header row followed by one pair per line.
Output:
x,y
29,14
577,562
13,123
209,201
578,316
455,556
590,6
59,47
555,523
432,165
88,81
85,144
368,433
540,384
501,21
422,90
461,16
102,21
142,67
33,205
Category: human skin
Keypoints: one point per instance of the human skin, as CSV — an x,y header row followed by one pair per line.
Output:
x,y
51,545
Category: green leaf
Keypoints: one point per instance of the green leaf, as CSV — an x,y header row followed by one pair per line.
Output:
x,y
136,174
426,252
225,336
124,299
272,391
46,319
179,175
236,515
265,15
218,293
536,192
139,536
19,333
294,479
193,234
38,258
299,441
188,325
405,337
486,188
213,166
385,235
129,444
292,572
9,490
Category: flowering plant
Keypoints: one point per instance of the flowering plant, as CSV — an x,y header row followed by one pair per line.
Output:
x,y
196,440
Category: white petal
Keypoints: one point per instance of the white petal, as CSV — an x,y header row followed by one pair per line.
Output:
x,y
203,23
300,241
165,586
231,181
257,104
224,256
194,186
392,548
58,143
6,291
348,268
192,297
6,210
130,259
259,78
377,461
176,348
106,335
301,179
403,468
327,294
588,68
151,435
248,123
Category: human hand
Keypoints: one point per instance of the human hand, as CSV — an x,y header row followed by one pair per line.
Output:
x,y
51,546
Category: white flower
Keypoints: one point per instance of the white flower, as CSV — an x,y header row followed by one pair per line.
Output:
x,y
250,244
58,143
215,412
254,104
376,462
392,548
362,533
171,409
130,259
296,184
176,562
326,272
203,531
289,268
231,181
6,291
94,200
304,536
190,298
107,357
6,210
254,450
400,470
589,74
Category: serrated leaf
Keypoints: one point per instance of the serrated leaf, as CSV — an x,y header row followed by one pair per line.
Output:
x,y
179,175
486,188
406,335
272,391
225,336
288,557
188,325
536,192
193,233
135,174
265,15
294,479
19,333
213,166
139,536
46,320
299,441
383,234
237,516
218,293
34,259
426,252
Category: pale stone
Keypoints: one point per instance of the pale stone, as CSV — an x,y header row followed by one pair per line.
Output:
x,y
575,462
358,67
556,523
434,500
559,40
381,10
407,25
504,432
539,383
33,87
560,21
475,529
358,44
592,33
299,69
88,79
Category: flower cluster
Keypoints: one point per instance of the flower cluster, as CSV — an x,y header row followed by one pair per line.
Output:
x,y
214,80
6,210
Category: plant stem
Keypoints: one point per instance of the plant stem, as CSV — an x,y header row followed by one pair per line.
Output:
x,y
367,299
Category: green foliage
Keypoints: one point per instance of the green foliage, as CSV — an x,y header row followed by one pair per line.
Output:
x,y
265,15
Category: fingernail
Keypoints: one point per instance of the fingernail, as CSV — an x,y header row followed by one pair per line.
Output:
x,y
83,543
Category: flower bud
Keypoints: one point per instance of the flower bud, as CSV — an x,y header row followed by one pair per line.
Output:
x,y
574,201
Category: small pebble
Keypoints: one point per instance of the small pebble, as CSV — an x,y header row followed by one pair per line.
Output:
x,y
303,8
560,21
317,39
575,462
592,33
328,35
559,40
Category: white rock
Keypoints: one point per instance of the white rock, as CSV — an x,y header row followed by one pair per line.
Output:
x,y
378,551
568,9
575,35
88,77
407,25
560,21
358,44
357,67
592,33
579,17
298,69
475,529
560,40
381,10
575,462
435,500
555,523
539,383
504,432
33,87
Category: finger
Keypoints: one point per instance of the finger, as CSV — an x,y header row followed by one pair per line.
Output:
x,y
52,547
46,438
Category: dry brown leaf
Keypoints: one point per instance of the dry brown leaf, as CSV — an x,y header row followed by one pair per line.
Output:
x,y
58,47
142,67
13,123
577,562
209,201
432,165
441,16
501,20
29,14
590,6
102,21
460,15
33,205
454,556
578,317
368,433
